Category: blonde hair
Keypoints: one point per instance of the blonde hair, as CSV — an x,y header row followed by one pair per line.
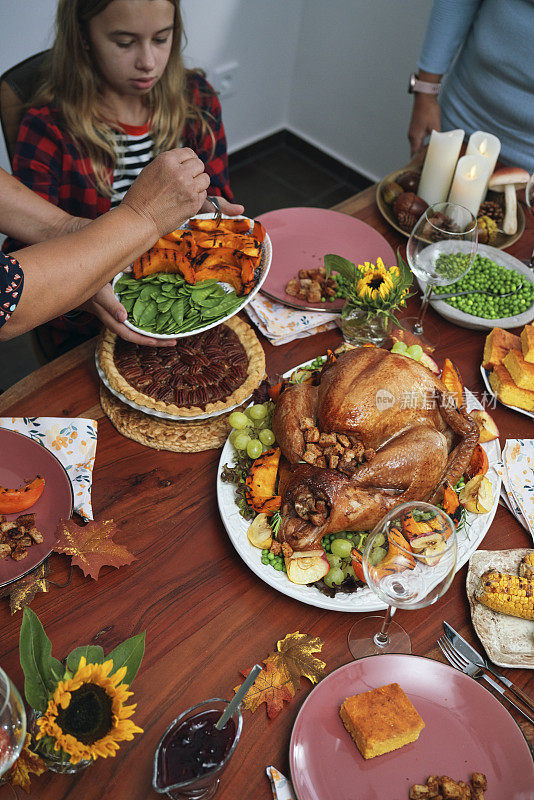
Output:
x,y
73,85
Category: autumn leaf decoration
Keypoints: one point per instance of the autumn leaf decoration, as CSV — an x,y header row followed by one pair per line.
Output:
x,y
280,678
91,546
26,763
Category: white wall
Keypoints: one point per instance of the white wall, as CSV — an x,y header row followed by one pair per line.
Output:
x,y
349,97
333,72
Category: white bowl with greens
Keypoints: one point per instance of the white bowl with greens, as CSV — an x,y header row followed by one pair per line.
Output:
x,y
473,320
165,306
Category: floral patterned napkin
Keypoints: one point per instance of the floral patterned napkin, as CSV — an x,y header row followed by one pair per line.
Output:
x,y
517,472
73,442
281,324
281,786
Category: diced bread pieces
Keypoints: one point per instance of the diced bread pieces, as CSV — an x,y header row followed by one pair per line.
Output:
x,y
498,343
522,371
506,390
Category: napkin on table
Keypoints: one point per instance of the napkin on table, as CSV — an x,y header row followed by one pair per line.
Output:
x,y
281,786
516,469
281,324
73,442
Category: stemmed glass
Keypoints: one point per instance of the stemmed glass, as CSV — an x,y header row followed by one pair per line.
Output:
x,y
12,723
529,197
444,229
404,575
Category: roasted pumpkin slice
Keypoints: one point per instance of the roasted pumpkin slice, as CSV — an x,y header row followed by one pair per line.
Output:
x,y
451,377
260,484
398,556
168,260
241,225
186,245
478,464
451,503
258,231
225,274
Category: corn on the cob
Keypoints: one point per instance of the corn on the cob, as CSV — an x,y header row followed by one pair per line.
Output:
x,y
526,567
508,594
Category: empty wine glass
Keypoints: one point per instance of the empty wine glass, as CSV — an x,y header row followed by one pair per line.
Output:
x,y
529,197
12,723
441,249
409,562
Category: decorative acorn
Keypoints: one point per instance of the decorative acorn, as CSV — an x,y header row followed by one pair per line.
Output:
x,y
391,191
408,207
488,230
409,181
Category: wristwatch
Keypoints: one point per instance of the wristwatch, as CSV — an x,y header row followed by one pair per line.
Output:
x,y
424,87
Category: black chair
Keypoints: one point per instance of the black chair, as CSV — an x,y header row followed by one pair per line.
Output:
x,y
17,86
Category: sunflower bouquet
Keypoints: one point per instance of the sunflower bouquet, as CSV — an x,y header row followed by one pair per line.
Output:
x,y
80,706
374,289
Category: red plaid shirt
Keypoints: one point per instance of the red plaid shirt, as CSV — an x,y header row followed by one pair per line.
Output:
x,y
47,160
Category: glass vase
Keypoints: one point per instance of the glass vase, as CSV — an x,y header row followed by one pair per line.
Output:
x,y
55,760
359,326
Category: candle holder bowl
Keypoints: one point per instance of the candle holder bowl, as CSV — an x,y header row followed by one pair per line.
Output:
x,y
502,241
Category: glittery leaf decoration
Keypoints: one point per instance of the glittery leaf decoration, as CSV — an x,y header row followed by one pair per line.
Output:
x,y
295,654
91,546
272,687
26,763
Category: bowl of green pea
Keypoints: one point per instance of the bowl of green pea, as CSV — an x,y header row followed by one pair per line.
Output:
x,y
510,282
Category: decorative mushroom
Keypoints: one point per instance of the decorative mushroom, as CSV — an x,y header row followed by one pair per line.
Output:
x,y
507,180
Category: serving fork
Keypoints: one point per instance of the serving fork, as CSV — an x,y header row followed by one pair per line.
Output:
x,y
463,665
214,200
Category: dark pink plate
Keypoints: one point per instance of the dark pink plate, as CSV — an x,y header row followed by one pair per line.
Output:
x,y
467,730
301,237
22,459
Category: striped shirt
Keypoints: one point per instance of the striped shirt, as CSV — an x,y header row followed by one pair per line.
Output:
x,y
135,151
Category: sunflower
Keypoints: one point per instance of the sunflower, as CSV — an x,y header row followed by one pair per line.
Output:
x,y
376,281
87,716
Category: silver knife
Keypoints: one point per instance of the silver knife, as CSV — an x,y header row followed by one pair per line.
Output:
x,y
465,649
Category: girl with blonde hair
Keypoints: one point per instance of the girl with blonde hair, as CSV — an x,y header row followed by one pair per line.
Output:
x,y
115,93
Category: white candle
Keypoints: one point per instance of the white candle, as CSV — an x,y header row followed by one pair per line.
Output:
x,y
469,182
438,169
486,145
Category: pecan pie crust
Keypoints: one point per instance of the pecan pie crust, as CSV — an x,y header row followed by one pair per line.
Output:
x,y
216,385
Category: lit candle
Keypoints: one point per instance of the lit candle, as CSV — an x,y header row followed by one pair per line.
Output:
x,y
486,145
438,169
469,183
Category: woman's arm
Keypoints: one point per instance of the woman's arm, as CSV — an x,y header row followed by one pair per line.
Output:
x,y
64,273
27,217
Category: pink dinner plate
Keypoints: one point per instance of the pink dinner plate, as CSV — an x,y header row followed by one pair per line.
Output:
x,y
466,730
301,237
21,459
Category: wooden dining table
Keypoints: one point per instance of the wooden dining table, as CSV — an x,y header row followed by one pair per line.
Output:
x,y
207,616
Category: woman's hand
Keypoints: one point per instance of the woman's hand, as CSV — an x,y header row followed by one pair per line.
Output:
x,y
169,191
426,117
230,209
111,313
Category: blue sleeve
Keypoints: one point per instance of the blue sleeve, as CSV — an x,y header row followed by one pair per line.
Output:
x,y
447,29
11,285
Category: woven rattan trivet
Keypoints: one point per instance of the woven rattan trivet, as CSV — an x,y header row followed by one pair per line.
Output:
x,y
162,434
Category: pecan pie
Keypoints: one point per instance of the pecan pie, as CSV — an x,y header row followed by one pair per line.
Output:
x,y
202,374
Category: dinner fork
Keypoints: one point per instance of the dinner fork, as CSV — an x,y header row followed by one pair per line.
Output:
x,y
463,665
215,203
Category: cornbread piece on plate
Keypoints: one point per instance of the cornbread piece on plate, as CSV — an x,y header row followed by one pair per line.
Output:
x,y
502,384
381,720
498,343
522,371
527,343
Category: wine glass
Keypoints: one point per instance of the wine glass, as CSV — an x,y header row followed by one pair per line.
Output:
x,y
529,197
409,562
12,723
445,230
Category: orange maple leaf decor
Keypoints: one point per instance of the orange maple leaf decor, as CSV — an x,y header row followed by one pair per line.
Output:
x,y
91,546
26,763
272,687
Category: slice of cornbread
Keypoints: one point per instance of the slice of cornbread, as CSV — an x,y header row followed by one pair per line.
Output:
x,y
381,720
506,390
498,343
521,371
527,343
